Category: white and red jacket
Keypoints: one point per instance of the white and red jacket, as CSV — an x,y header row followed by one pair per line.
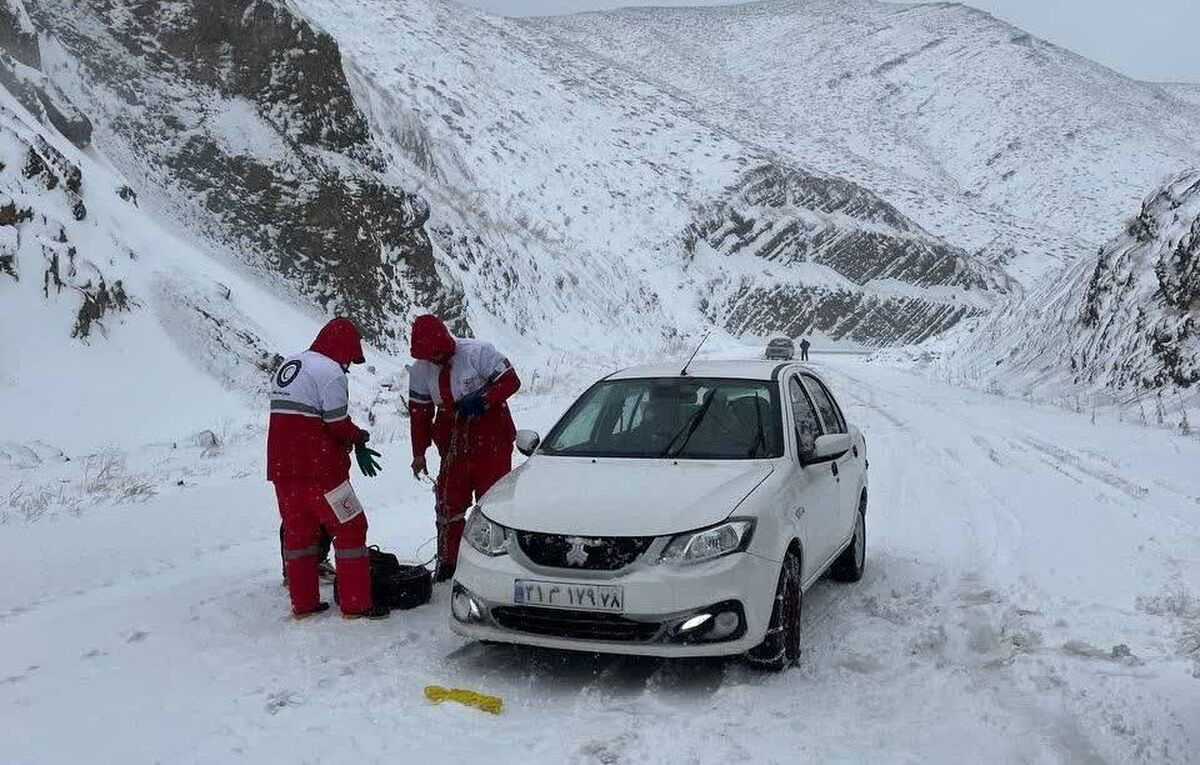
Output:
x,y
311,433
446,370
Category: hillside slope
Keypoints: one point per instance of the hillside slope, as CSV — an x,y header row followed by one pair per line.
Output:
x,y
1187,91
977,130
1123,325
594,171
383,158
239,116
113,331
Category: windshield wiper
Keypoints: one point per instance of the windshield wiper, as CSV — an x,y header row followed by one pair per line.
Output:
x,y
689,427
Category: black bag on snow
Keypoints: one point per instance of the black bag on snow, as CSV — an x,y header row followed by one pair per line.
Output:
x,y
394,584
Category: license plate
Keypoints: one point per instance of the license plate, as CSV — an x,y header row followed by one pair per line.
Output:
x,y
581,597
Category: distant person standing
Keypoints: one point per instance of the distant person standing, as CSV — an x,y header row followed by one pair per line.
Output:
x,y
804,346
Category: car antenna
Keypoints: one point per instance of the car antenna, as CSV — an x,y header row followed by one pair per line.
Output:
x,y
683,372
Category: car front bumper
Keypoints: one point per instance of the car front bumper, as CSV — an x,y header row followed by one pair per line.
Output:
x,y
657,598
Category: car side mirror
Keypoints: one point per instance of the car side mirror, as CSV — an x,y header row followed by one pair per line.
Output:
x,y
828,447
529,440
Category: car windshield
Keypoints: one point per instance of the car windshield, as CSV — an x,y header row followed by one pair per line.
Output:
x,y
672,417
781,342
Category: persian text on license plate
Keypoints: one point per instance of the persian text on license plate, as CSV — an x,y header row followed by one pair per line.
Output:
x,y
584,597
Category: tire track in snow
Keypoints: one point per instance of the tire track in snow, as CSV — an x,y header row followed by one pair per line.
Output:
x,y
1062,456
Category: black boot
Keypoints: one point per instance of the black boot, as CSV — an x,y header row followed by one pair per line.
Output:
x,y
444,572
374,612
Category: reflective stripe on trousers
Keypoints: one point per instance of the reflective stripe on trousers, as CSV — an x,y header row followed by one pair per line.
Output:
x,y
353,552
303,552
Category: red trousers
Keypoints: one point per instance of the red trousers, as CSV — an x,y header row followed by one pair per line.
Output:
x,y
305,511
465,476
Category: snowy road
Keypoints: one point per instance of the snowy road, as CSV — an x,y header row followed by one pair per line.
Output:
x,y
1032,594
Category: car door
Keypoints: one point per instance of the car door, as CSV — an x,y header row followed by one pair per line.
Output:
x,y
815,500
846,467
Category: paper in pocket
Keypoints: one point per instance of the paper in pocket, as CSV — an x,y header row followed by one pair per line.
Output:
x,y
344,502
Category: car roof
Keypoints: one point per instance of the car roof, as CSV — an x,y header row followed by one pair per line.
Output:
x,y
743,369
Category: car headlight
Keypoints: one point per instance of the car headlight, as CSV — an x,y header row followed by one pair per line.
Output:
x,y
484,535
706,544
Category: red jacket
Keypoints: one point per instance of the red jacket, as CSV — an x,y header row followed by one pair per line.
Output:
x,y
311,433
446,370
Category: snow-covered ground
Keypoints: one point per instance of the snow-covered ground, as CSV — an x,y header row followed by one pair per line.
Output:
x,y
1032,594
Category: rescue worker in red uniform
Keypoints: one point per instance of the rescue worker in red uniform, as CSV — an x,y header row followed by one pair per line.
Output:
x,y
458,394
308,459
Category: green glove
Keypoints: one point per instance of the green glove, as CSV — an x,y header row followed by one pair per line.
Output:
x,y
366,460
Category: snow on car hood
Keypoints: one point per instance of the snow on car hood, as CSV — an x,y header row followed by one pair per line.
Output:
x,y
620,497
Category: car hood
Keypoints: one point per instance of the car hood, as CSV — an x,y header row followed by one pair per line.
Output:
x,y
620,497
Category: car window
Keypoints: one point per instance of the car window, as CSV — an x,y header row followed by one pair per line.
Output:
x,y
579,430
632,413
830,414
677,417
805,417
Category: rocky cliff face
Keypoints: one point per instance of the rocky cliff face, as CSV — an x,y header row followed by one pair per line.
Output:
x,y
239,113
861,270
21,75
41,208
1123,323
1140,314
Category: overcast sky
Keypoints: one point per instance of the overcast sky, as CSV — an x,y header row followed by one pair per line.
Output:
x,y
1147,39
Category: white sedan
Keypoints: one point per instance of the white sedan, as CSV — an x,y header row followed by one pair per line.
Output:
x,y
670,514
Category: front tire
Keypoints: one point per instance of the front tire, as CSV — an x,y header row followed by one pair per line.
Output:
x,y
850,564
780,648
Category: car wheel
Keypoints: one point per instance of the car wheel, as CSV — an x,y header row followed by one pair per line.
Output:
x,y
850,564
780,649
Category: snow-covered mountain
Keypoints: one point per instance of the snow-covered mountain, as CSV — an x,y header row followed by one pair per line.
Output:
x,y
1123,324
1188,91
979,131
238,116
865,172
386,157
113,330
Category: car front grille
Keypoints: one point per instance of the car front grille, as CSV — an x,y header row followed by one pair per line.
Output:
x,y
588,553
580,625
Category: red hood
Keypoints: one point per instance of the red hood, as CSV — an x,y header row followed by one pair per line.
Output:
x,y
339,341
431,341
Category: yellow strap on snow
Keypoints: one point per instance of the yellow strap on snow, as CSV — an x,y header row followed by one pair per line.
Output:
x,y
437,694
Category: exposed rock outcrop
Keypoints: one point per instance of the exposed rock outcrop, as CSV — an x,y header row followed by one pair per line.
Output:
x,y
20,73
1123,323
239,111
836,259
1140,314
41,198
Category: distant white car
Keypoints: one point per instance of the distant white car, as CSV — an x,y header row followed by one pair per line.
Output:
x,y
671,515
780,349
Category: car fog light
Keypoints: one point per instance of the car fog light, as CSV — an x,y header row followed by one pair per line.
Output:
x,y
695,622
724,625
464,607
